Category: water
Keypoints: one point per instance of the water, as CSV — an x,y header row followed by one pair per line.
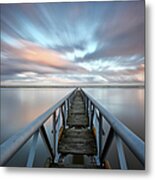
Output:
x,y
127,104
20,106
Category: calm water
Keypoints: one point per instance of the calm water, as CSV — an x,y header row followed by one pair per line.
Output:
x,y
20,106
127,104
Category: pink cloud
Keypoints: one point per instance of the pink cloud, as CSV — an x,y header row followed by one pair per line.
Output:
x,y
32,52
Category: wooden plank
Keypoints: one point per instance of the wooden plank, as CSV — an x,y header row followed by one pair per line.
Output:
x,y
77,141
77,120
77,111
78,132
77,148
77,116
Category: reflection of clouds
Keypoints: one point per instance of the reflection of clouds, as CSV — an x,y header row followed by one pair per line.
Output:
x,y
140,96
104,40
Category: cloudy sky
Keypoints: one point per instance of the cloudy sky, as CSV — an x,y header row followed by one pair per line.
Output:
x,y
72,43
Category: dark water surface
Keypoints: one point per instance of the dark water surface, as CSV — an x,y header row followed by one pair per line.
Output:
x,y
20,106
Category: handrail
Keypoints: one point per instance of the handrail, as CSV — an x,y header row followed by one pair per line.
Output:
x,y
134,143
14,143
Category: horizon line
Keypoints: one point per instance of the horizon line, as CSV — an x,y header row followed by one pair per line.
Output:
x,y
67,86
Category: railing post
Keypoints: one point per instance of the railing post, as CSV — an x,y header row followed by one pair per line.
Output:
x,y
100,134
46,141
54,132
67,105
32,152
65,110
91,115
120,152
63,117
87,107
90,112
107,144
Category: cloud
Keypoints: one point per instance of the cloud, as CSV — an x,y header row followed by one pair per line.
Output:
x,y
90,42
27,78
34,53
120,31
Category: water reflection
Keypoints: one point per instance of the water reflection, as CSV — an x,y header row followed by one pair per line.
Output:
x,y
127,104
20,106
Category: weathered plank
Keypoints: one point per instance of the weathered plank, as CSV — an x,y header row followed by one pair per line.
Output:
x,y
77,111
77,141
79,120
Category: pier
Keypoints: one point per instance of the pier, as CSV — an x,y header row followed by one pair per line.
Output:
x,y
82,129
78,139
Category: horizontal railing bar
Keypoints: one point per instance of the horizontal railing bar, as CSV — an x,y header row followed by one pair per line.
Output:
x,y
134,143
14,143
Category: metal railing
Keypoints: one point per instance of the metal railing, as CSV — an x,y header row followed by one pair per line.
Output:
x,y
98,114
58,112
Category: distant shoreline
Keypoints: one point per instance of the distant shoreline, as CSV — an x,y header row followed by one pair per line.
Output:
x,y
76,86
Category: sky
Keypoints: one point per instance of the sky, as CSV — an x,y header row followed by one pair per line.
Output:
x,y
72,43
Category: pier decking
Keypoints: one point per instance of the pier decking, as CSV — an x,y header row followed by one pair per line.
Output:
x,y
77,139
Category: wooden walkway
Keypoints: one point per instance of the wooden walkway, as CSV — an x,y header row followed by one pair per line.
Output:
x,y
77,139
